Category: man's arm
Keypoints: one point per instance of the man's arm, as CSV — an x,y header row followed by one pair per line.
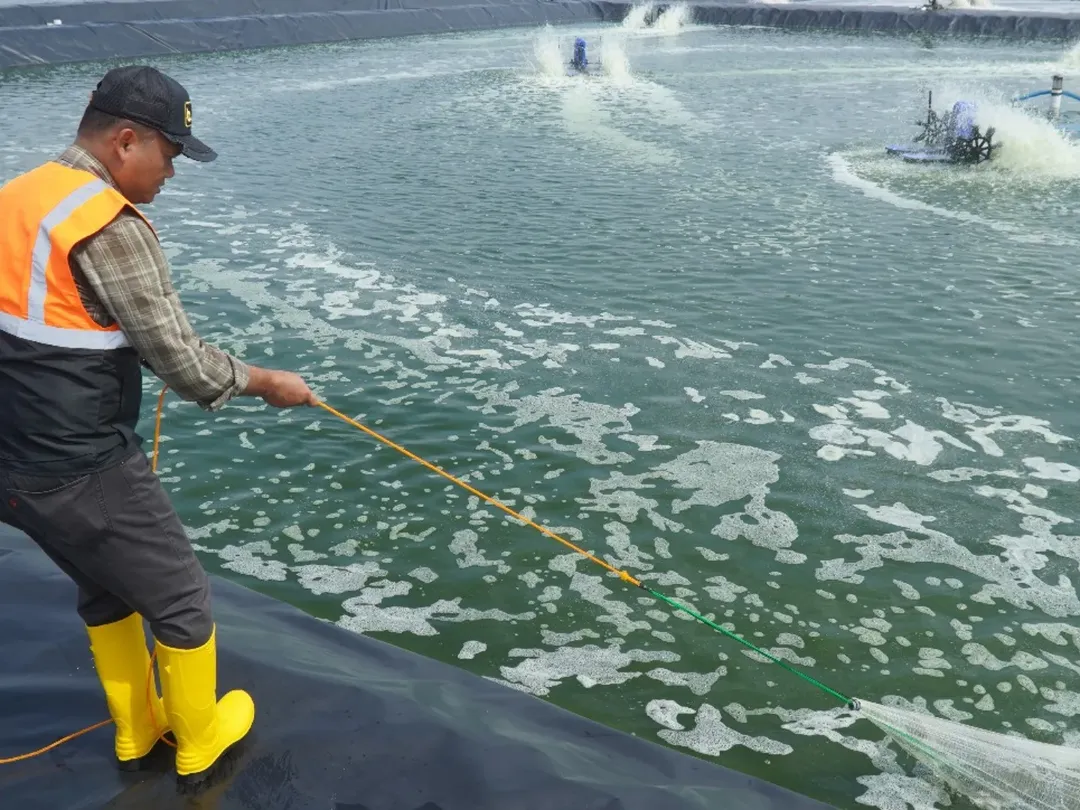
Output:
x,y
129,273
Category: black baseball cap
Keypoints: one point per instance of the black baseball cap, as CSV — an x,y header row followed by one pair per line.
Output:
x,y
147,96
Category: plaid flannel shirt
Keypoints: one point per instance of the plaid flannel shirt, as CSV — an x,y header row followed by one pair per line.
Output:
x,y
123,277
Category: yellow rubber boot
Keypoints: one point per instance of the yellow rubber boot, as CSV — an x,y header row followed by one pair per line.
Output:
x,y
123,666
204,727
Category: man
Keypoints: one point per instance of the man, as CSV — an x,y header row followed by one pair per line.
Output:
x,y
85,298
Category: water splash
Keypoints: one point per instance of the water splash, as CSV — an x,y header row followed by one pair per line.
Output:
x,y
548,56
1029,144
674,19
616,64
1070,60
637,17
647,18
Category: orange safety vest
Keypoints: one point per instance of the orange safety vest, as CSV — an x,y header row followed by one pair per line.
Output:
x,y
45,213
70,389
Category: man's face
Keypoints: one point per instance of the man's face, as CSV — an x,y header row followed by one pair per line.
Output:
x,y
144,161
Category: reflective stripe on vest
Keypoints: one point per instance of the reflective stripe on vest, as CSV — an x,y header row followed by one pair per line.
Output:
x,y
38,227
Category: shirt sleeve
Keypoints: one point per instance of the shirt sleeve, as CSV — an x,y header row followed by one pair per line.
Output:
x,y
129,273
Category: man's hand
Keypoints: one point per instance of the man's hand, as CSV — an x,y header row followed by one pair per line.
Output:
x,y
282,389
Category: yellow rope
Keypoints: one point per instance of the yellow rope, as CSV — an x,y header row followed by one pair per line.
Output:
x,y
157,427
622,574
51,746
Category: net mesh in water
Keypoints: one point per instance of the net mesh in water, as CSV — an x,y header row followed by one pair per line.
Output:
x,y
995,771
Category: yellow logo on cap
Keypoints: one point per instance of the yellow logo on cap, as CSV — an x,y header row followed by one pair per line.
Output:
x,y
187,113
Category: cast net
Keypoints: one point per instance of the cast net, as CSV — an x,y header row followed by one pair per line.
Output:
x,y
994,771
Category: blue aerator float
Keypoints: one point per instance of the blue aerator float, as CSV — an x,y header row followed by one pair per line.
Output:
x,y
579,62
955,138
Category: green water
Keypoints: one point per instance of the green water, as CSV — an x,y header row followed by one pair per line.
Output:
x,y
685,314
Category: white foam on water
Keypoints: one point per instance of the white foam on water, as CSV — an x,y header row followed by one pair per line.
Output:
x,y
249,560
844,174
828,724
588,422
666,713
335,579
714,474
858,493
924,445
1011,577
895,791
695,349
366,618
365,615
756,416
743,395
645,444
301,554
868,408
471,649
615,611
544,316
465,547
1052,470
424,574
694,395
711,736
257,292
543,670
699,683
1054,632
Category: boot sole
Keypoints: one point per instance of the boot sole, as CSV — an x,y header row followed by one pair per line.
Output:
x,y
148,760
222,768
